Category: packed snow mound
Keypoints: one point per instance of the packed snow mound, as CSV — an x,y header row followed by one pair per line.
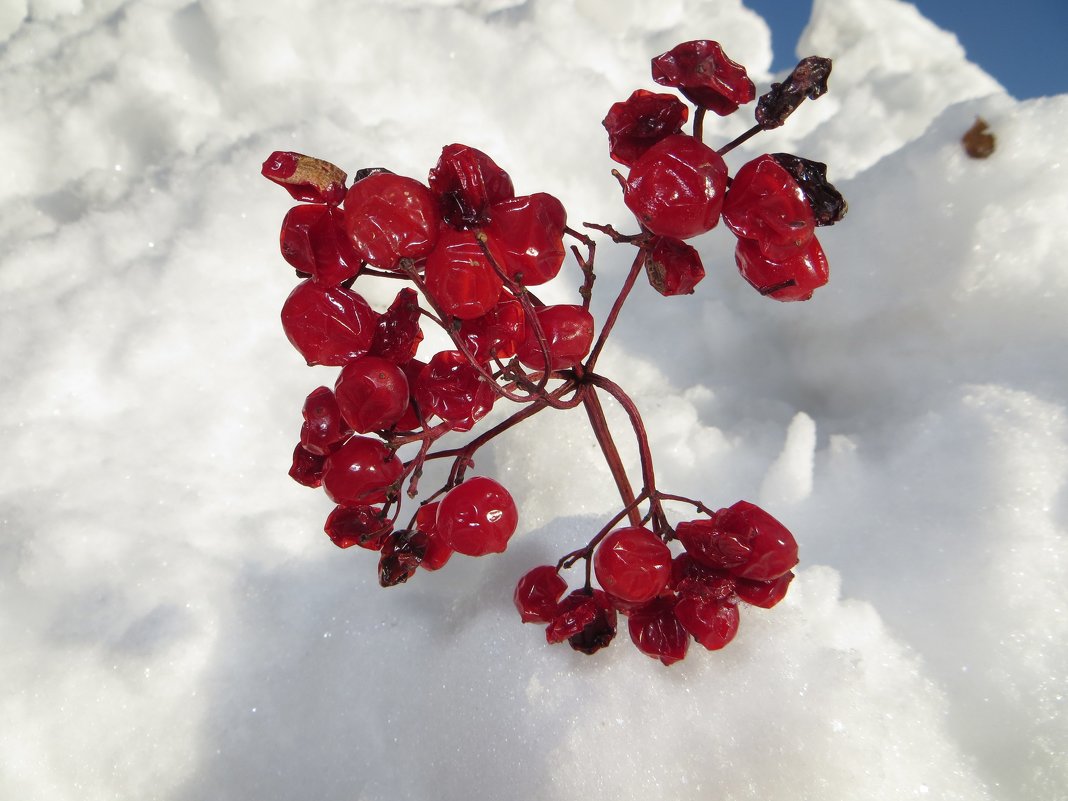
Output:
x,y
179,627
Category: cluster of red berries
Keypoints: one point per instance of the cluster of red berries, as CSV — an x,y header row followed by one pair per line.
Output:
x,y
470,253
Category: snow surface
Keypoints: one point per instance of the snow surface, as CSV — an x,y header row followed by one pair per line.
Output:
x,y
175,624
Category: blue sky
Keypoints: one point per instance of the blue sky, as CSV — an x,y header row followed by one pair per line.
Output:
x,y
1024,44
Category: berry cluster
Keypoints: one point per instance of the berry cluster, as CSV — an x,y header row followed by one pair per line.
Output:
x,y
469,253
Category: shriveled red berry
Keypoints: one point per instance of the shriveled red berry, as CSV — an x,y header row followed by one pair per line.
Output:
x,y
599,632
742,539
477,517
307,179
690,577
765,204
795,278
703,73
498,332
314,241
537,595
437,551
372,394
360,472
639,122
390,217
584,618
764,594
673,267
712,623
328,325
366,526
529,233
460,277
676,188
307,468
397,333
452,389
568,332
324,428
632,564
656,631
467,182
402,553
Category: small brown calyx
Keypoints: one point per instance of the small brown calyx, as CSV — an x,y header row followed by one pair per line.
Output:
x,y
978,142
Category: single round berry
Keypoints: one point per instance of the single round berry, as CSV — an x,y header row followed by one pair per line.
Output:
x,y
632,564
449,387
460,278
307,467
766,204
324,428
795,278
712,623
529,233
314,241
657,633
467,182
360,472
327,325
568,332
365,526
673,267
498,332
676,188
477,517
764,594
641,121
372,394
389,217
703,73
537,595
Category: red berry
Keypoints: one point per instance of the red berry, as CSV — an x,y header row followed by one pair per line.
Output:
x,y
365,526
766,204
372,394
795,278
314,241
438,551
641,121
764,594
410,420
460,277
656,632
632,564
390,218
712,623
744,540
360,472
600,631
690,577
704,74
529,233
586,619
452,389
568,334
537,595
402,553
477,517
307,468
676,188
673,267
307,179
323,427
397,334
498,332
328,325
468,182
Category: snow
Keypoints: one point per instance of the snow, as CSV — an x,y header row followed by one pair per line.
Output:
x,y
176,626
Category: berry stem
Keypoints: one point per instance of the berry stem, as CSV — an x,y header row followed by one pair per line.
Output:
x,y
599,424
606,329
727,148
699,124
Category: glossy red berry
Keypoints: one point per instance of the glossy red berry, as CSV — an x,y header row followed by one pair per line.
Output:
x,y
632,564
460,278
389,218
712,623
437,551
360,472
704,74
537,595
372,394
467,182
397,333
673,267
324,428
568,332
742,539
365,526
764,594
314,241
765,204
307,179
676,188
690,577
307,467
795,278
477,517
641,121
328,325
449,387
497,333
528,231
656,632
